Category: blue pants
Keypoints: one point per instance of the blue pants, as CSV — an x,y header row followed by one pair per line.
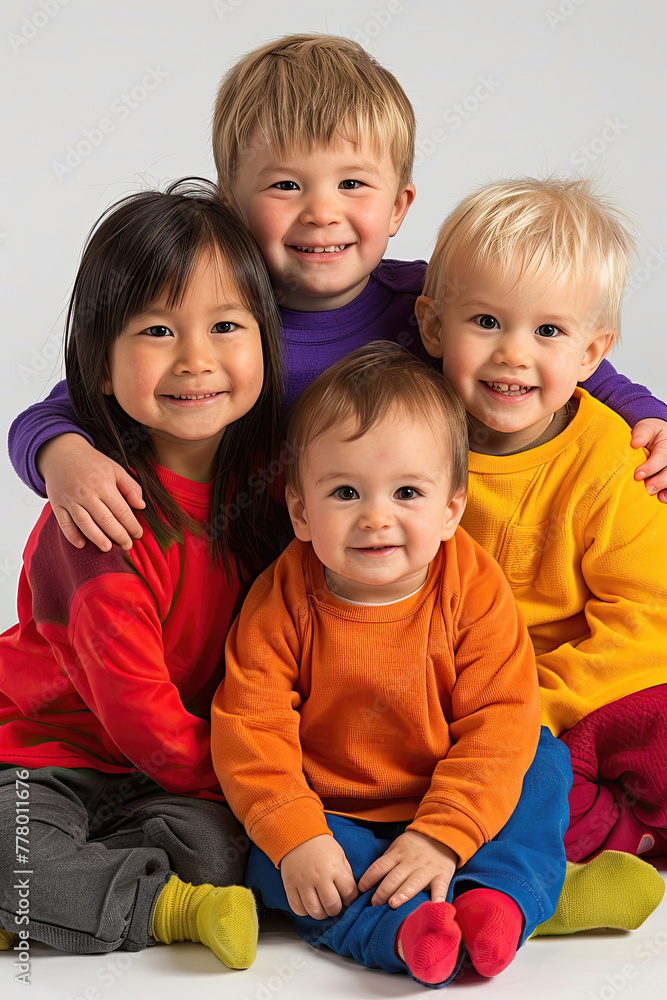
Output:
x,y
526,861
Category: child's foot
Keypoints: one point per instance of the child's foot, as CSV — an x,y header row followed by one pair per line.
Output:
x,y
227,924
491,925
428,942
224,919
7,939
613,890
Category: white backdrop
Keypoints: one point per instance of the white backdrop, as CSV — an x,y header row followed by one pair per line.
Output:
x,y
104,97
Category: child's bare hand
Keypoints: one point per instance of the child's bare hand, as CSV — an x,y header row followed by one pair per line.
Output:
x,y
89,493
651,433
317,878
413,862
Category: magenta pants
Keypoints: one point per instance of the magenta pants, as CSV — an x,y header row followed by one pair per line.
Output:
x,y
618,799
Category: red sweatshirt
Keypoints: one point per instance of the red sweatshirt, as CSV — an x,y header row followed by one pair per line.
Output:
x,y
116,655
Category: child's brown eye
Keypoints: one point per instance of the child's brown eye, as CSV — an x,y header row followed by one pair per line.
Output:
x,y
350,185
487,322
547,330
346,493
406,493
157,331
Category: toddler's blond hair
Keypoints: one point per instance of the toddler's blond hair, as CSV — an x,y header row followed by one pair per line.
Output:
x,y
537,228
304,91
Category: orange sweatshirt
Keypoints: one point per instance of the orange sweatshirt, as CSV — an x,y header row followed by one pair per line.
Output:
x,y
426,709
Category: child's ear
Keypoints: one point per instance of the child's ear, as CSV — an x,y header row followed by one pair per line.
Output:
x,y
107,384
297,513
453,514
430,326
403,201
597,349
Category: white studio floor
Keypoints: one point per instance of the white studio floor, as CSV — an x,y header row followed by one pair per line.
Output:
x,y
593,966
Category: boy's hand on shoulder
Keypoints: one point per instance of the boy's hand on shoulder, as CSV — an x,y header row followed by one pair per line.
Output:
x,y
413,862
651,433
90,494
318,879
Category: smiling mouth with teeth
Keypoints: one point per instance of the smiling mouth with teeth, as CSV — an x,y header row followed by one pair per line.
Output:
x,y
331,249
509,390
205,395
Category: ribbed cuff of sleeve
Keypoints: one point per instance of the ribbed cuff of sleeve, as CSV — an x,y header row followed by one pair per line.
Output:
x,y
280,831
32,476
644,408
451,827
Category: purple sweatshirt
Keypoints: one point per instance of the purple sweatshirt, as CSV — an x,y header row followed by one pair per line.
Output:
x,y
313,341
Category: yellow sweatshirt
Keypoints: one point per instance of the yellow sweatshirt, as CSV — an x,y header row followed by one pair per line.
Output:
x,y
584,548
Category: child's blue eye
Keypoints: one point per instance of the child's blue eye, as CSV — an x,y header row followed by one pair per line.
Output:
x,y
157,331
346,493
407,493
487,322
224,327
547,330
350,185
286,185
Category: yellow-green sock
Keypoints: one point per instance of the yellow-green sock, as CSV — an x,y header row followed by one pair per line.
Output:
x,y
7,939
224,919
613,890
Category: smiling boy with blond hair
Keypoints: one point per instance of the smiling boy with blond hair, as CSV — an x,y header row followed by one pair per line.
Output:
x,y
539,269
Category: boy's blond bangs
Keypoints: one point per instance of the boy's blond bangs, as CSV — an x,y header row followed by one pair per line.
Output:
x,y
305,91
550,228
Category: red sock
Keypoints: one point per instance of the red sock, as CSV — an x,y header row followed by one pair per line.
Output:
x,y
428,942
491,925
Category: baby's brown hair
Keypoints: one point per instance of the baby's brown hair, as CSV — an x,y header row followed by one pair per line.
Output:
x,y
366,385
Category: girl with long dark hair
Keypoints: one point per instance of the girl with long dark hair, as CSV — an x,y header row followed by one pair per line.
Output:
x,y
174,368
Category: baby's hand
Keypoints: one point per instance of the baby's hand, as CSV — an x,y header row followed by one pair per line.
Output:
x,y
317,878
413,862
89,493
651,433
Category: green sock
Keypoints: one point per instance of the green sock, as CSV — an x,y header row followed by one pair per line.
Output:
x,y
613,890
7,939
224,919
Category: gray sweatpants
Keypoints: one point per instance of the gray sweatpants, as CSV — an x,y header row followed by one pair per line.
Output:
x,y
101,849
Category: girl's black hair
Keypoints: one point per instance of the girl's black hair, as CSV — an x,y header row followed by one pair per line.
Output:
x,y
143,248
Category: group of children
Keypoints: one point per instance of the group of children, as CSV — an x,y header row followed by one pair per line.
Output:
x,y
373,716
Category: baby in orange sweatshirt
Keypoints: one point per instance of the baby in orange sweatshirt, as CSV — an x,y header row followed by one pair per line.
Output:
x,y
380,708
